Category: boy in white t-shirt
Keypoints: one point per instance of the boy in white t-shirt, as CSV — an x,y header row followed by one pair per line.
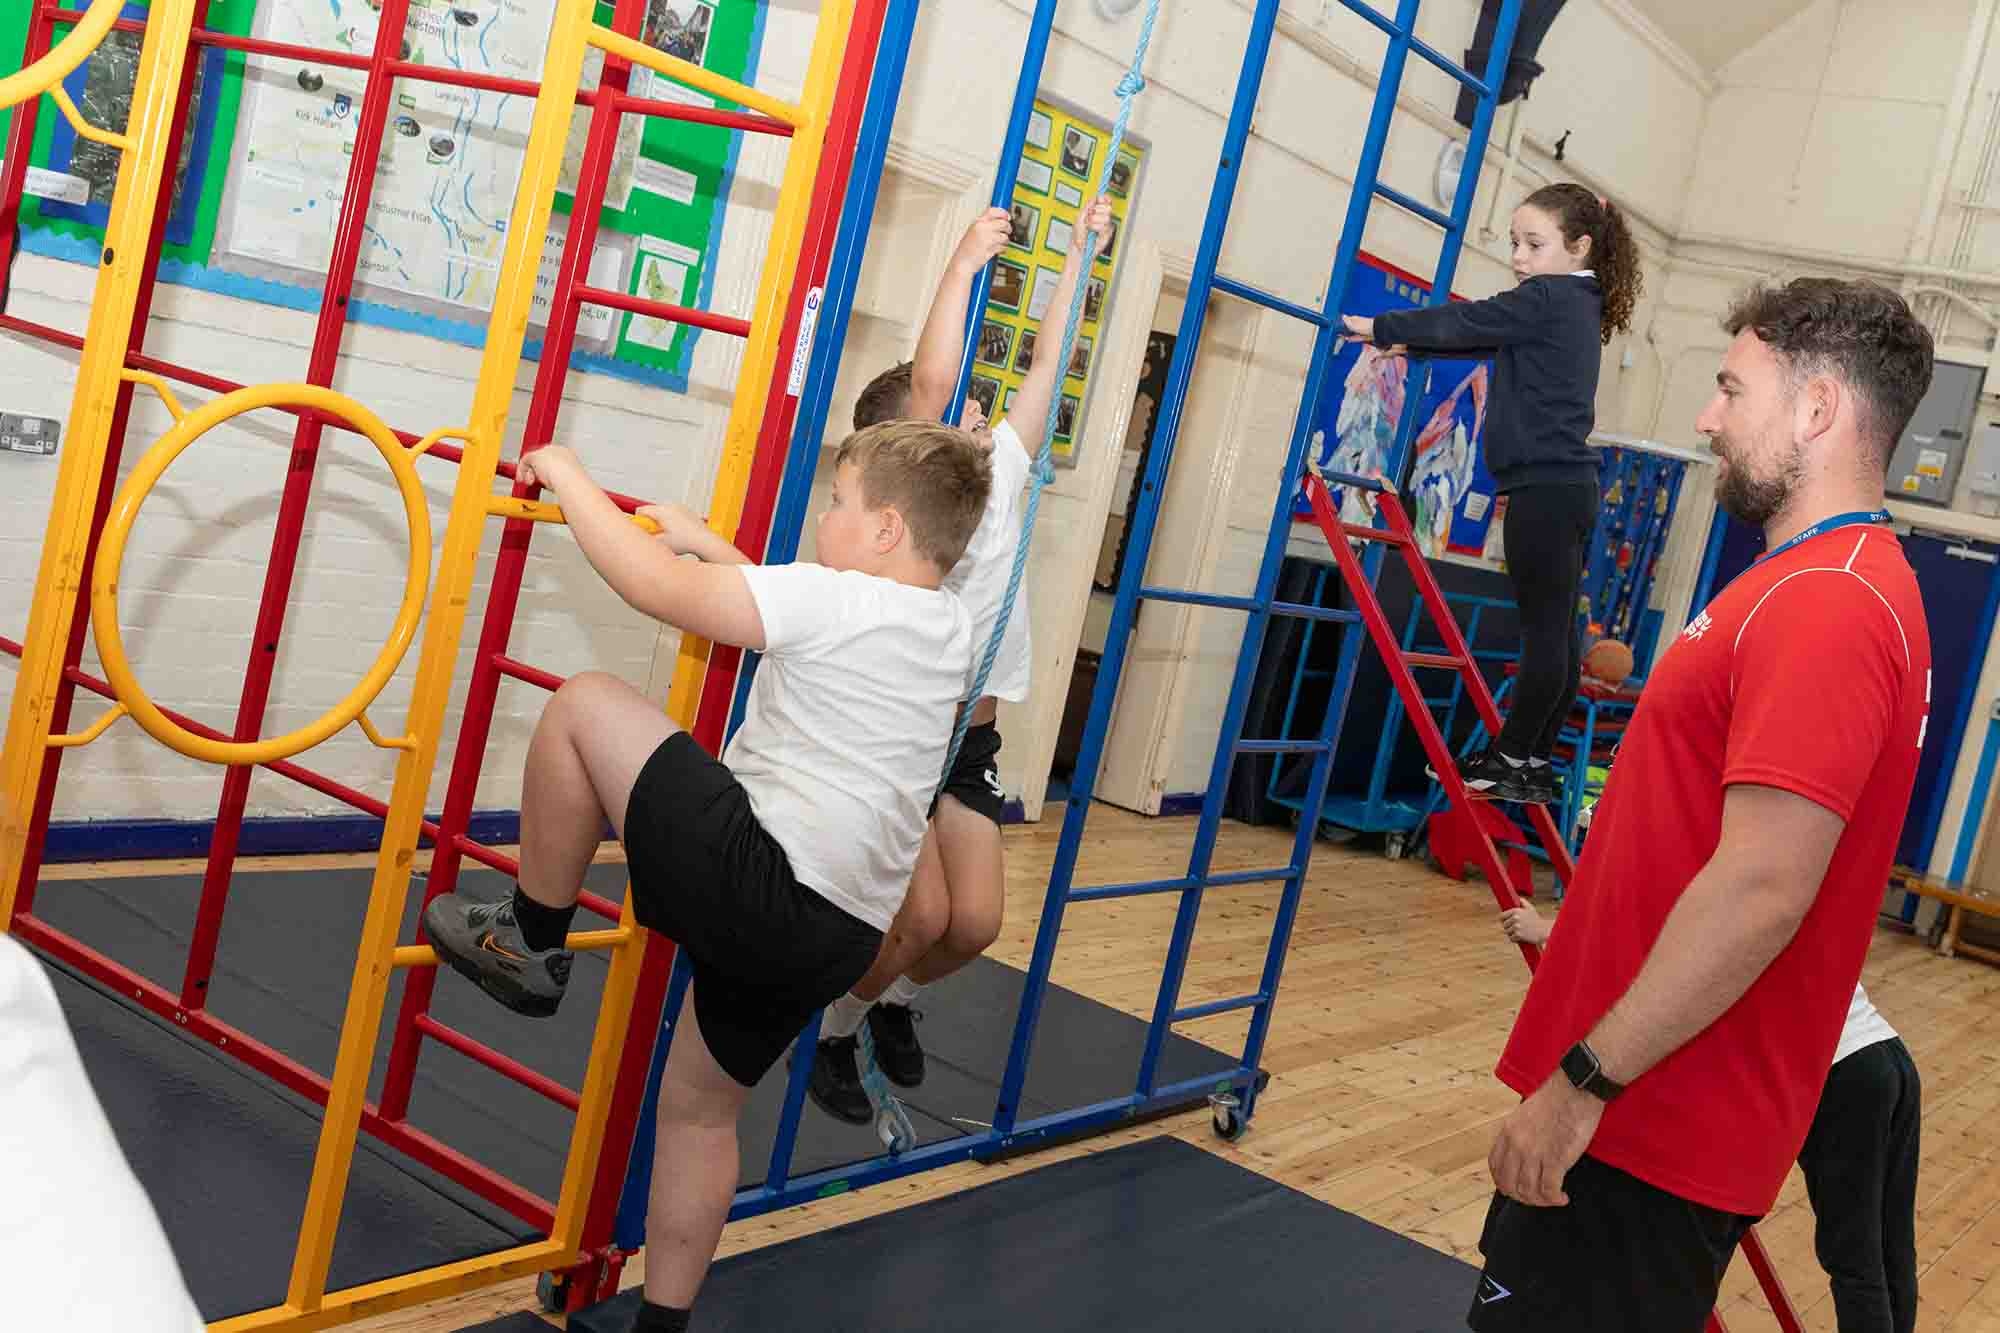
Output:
x,y
777,869
953,910
1859,1160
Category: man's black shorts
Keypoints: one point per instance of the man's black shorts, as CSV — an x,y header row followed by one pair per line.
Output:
x,y
1622,1255
975,774
767,952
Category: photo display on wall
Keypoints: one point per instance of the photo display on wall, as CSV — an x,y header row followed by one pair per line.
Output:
x,y
1452,498
1059,172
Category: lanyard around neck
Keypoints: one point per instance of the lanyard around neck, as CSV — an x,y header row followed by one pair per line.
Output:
x,y
1826,525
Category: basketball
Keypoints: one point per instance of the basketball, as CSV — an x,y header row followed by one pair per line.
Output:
x,y
1608,662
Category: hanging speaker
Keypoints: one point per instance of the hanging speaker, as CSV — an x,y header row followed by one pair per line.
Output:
x,y
1536,16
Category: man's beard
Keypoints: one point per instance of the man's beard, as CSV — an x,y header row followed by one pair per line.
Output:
x,y
1758,500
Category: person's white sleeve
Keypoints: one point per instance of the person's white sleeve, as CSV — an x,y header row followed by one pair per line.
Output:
x,y
1011,464
72,1209
799,604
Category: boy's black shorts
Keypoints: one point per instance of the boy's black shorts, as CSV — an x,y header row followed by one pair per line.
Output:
x,y
975,774
767,952
1623,1254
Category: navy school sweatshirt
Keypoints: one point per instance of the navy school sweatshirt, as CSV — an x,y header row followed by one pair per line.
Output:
x,y
1543,338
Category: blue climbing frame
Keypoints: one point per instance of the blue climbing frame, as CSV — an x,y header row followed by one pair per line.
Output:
x,y
1008,1132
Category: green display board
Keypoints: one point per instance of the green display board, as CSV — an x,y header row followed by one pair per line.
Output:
x,y
260,184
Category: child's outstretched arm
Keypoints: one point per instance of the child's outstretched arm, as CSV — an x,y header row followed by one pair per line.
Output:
x,y
1517,315
1524,925
709,598
941,345
1029,411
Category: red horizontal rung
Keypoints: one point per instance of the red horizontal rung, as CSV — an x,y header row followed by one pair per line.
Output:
x,y
507,666
450,453
1362,532
498,1063
487,857
1445,660
699,115
9,647
457,78
672,314
276,1065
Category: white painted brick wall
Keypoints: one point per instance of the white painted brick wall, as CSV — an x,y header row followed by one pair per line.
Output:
x,y
194,569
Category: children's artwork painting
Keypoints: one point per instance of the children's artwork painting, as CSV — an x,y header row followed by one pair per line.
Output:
x,y
1450,491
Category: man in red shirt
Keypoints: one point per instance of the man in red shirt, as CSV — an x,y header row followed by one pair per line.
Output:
x,y
1674,1041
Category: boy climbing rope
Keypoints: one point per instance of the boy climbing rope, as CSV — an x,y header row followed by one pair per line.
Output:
x,y
953,910
778,868
1578,274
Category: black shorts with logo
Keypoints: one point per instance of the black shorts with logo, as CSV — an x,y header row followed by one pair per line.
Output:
x,y
1622,1255
767,952
975,774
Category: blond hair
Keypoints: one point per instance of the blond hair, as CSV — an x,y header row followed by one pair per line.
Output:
x,y
935,476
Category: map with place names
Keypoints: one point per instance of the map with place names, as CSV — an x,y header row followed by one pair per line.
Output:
x,y
451,158
263,175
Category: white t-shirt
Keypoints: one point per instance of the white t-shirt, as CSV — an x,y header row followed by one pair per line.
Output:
x,y
842,744
980,576
1864,1027
79,1240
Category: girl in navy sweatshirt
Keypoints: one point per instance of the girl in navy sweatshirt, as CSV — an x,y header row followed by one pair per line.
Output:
x,y
1578,271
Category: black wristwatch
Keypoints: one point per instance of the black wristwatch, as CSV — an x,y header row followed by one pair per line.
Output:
x,y
1580,1066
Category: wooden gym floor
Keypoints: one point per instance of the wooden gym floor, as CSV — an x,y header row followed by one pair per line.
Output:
x,y
1397,995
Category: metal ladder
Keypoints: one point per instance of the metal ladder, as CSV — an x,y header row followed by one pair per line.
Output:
x,y
1239,1087
1235,1091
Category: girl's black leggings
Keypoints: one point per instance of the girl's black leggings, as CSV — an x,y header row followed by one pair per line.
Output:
x,y
1547,532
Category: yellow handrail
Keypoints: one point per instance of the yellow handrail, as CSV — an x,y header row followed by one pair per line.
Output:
x,y
146,474
49,72
66,542
694,76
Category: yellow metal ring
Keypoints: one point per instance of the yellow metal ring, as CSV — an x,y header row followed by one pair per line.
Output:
x,y
118,525
70,52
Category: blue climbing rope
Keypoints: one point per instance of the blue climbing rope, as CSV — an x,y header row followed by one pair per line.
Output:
x,y
1129,88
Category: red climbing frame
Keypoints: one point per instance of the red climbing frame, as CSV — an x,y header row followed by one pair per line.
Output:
x,y
185,1004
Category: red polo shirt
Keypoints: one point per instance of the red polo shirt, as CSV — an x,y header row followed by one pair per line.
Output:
x,y
1809,673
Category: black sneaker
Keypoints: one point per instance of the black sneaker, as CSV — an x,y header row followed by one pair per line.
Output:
x,y
1542,788
835,1084
897,1049
1488,777
483,944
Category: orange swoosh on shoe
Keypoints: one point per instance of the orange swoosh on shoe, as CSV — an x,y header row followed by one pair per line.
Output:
x,y
490,945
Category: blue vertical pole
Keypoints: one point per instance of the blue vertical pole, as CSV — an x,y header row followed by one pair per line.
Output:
x,y
1975,810
878,118
1711,557
1143,521
1350,244
1033,56
1415,385
1274,549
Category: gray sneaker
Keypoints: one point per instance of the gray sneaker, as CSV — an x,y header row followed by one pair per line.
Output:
x,y
483,944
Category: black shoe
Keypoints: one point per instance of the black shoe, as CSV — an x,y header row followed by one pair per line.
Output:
x,y
484,945
1488,777
835,1084
1542,788
897,1050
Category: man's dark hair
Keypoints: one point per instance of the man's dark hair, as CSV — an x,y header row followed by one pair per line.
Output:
x,y
1858,332
887,397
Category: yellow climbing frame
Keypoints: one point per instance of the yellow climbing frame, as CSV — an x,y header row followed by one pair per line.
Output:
x,y
164,52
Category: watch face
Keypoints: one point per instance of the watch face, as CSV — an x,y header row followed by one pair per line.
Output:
x,y
1579,1065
